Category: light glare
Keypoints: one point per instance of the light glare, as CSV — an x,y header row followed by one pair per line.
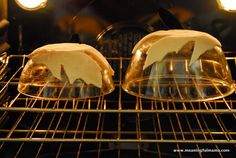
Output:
x,y
229,5
31,4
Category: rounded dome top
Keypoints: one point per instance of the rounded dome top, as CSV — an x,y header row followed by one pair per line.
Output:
x,y
63,67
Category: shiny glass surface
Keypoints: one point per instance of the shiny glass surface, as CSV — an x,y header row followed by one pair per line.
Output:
x,y
173,79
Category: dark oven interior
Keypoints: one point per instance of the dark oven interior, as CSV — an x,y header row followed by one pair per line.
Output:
x,y
118,124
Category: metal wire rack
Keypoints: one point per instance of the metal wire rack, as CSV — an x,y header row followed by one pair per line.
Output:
x,y
115,123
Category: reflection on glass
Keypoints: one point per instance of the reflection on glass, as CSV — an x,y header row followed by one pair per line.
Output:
x,y
37,81
172,79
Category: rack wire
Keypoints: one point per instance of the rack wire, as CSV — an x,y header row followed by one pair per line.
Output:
x,y
115,123
99,127
118,101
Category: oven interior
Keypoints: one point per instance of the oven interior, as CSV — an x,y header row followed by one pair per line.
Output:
x,y
118,124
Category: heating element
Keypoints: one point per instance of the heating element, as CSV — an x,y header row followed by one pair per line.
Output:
x,y
116,125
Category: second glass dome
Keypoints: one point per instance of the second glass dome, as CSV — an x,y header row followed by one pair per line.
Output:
x,y
180,75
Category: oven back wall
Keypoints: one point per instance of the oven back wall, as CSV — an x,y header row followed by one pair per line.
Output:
x,y
32,29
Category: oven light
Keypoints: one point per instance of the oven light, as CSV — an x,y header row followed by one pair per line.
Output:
x,y
228,5
31,4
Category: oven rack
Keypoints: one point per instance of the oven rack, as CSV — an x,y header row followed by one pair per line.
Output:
x,y
155,134
116,102
114,123
117,127
107,106
80,149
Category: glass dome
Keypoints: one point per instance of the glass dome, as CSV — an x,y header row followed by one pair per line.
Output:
x,y
180,75
66,71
